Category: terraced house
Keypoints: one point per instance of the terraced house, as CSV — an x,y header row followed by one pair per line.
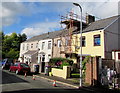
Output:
x,y
39,49
99,38
46,49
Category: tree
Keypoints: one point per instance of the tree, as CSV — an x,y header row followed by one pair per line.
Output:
x,y
11,44
12,54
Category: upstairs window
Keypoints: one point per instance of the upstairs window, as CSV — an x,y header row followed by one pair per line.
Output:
x,y
43,45
97,40
83,41
36,45
27,46
31,45
23,46
49,44
66,42
59,43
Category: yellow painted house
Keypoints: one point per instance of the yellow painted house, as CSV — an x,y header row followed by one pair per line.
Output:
x,y
98,39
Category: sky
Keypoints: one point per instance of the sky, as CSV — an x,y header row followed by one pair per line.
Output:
x,y
36,17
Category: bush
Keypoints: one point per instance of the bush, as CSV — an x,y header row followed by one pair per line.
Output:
x,y
60,62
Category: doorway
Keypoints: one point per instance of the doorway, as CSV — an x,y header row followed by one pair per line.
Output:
x,y
43,67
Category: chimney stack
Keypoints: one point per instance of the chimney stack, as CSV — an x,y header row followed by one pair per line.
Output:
x,y
90,19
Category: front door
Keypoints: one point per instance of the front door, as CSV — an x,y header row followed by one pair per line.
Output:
x,y
43,66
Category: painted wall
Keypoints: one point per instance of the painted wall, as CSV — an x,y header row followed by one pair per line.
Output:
x,y
64,73
45,50
22,51
89,48
56,49
112,39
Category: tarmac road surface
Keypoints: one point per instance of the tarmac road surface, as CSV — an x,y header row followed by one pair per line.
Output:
x,y
12,83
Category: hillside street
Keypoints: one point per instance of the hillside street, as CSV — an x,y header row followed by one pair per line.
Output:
x,y
12,83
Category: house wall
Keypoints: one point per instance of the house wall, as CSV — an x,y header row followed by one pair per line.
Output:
x,y
118,32
45,50
56,49
64,73
112,40
27,58
22,51
89,49
34,58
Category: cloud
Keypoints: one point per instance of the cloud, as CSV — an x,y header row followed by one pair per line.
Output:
x,y
107,9
40,28
98,9
10,11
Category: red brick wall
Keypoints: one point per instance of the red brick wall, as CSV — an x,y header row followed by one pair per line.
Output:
x,y
91,75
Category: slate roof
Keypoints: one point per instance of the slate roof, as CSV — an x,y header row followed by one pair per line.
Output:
x,y
49,35
30,52
97,25
100,24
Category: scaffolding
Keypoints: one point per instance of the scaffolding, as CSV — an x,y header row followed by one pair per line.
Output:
x,y
69,21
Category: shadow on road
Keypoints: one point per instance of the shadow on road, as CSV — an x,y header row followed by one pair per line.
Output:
x,y
49,91
10,78
60,91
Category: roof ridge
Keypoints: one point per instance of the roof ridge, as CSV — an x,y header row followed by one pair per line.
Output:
x,y
100,24
34,37
106,18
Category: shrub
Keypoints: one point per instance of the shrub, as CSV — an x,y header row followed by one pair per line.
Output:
x,y
60,62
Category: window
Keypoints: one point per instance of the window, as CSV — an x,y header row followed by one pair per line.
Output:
x,y
49,56
96,40
27,46
16,64
36,45
49,44
83,41
66,42
23,65
119,56
23,46
59,43
43,44
31,45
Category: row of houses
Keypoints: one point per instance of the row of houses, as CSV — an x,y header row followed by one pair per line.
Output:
x,y
99,38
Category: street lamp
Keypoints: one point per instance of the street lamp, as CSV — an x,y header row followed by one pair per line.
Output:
x,y
76,4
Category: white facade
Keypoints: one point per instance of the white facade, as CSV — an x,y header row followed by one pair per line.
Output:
x,y
26,46
45,53
116,55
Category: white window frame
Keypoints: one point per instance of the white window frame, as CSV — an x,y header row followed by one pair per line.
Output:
x,y
59,43
49,44
43,45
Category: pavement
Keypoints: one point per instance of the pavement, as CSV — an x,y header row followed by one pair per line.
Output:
x,y
70,82
67,82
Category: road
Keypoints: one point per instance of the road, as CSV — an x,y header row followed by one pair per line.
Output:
x,y
12,83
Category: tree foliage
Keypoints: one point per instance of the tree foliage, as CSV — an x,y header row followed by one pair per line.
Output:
x,y
11,44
